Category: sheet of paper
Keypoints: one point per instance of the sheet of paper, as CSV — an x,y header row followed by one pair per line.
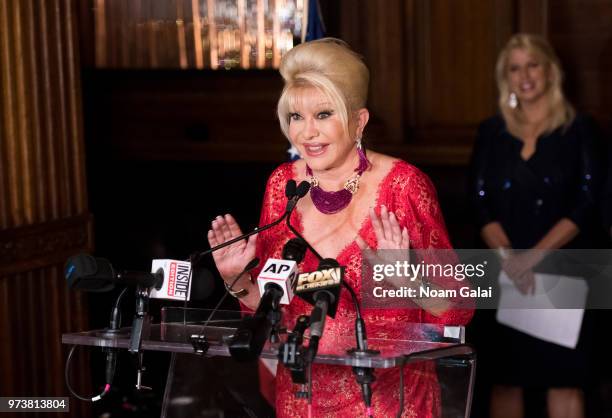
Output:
x,y
537,315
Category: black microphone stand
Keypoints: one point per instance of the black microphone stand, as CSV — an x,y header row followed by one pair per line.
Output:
x,y
293,354
249,339
141,326
141,321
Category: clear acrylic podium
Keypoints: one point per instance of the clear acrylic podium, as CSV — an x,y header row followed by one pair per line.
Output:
x,y
214,385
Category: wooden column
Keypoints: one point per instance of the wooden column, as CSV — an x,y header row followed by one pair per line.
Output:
x,y
43,201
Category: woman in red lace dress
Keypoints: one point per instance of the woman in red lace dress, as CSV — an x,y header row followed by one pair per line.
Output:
x,y
394,206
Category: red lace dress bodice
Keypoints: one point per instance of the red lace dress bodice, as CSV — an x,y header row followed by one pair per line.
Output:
x,y
408,193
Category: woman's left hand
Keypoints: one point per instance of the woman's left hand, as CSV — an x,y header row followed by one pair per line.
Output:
x,y
389,234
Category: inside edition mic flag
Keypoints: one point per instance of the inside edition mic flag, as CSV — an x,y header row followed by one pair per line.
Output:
x,y
177,280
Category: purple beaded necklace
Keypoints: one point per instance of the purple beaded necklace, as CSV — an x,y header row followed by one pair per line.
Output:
x,y
332,202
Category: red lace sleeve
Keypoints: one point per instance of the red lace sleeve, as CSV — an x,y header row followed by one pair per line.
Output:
x,y
417,208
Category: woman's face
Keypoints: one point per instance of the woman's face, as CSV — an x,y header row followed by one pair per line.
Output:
x,y
316,130
527,76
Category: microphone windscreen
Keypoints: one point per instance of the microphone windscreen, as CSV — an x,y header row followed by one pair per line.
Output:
x,y
85,272
302,189
295,249
290,189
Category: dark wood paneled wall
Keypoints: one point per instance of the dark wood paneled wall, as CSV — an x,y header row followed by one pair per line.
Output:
x,y
43,201
431,62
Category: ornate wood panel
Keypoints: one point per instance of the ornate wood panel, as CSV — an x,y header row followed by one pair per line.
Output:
x,y
43,201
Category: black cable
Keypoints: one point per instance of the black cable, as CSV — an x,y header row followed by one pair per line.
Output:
x,y
118,301
115,321
67,379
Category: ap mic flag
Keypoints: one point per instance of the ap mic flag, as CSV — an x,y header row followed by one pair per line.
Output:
x,y
279,272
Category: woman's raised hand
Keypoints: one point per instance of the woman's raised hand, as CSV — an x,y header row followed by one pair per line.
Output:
x,y
389,235
232,259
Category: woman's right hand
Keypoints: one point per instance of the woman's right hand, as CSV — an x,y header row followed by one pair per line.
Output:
x,y
230,260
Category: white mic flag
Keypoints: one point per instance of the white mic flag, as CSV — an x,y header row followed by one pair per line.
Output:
x,y
282,273
177,280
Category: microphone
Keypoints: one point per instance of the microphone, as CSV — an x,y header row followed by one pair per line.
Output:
x,y
181,281
295,249
302,189
323,300
93,274
290,189
169,279
326,279
299,193
283,273
320,288
280,275
276,282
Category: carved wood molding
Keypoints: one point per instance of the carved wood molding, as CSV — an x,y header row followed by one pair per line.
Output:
x,y
46,244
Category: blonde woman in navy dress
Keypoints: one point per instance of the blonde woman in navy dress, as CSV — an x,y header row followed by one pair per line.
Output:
x,y
533,184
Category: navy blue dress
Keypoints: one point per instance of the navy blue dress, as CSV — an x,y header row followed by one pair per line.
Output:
x,y
528,197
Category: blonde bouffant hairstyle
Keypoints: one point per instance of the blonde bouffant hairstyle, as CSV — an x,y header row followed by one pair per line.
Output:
x,y
330,66
561,112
